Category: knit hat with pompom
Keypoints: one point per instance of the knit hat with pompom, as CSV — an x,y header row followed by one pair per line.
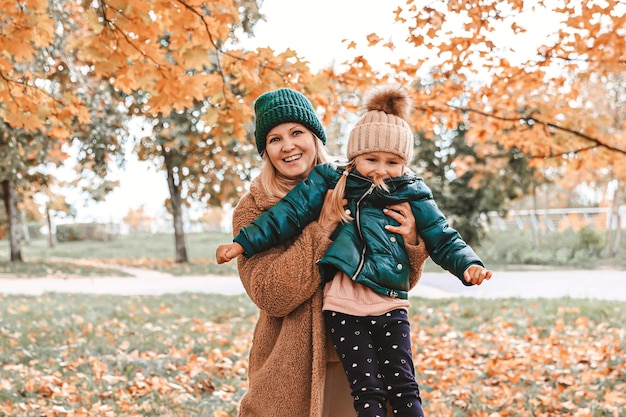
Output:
x,y
384,127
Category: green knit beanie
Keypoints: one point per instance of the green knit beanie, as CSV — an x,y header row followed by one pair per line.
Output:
x,y
281,106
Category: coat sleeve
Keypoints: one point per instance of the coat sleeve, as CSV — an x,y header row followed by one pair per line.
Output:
x,y
281,279
417,257
444,244
287,218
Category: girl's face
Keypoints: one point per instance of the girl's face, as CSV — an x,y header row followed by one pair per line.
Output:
x,y
379,165
291,149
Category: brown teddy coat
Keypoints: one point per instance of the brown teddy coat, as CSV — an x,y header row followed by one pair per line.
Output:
x,y
288,357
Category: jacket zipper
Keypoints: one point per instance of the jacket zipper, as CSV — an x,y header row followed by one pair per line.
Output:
x,y
358,228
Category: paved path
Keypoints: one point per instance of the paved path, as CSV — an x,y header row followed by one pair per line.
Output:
x,y
598,284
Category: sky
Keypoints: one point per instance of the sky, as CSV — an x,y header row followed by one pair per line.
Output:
x,y
140,184
316,28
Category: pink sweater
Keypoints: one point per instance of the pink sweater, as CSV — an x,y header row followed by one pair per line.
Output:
x,y
348,297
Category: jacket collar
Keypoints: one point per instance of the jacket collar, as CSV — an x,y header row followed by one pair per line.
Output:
x,y
357,185
356,179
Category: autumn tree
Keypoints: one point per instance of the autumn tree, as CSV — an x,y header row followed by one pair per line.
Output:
x,y
179,67
607,97
465,195
469,48
28,100
46,105
22,153
165,59
32,114
138,220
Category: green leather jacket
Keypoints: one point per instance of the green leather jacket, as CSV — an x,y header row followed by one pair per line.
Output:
x,y
363,249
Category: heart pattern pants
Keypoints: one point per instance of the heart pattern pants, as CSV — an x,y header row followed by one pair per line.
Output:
x,y
375,352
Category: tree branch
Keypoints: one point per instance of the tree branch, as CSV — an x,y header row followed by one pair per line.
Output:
x,y
26,86
110,24
218,51
533,120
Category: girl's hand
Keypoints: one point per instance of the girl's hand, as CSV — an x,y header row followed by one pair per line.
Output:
x,y
226,253
402,214
476,274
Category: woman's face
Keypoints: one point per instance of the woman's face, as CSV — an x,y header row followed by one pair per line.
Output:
x,y
291,149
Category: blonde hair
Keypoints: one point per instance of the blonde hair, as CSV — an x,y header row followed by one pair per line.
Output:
x,y
275,185
338,194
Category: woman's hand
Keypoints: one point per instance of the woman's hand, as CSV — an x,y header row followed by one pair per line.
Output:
x,y
402,214
329,219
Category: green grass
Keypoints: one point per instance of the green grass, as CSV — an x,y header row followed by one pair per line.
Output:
x,y
186,355
138,245
150,251
52,268
500,251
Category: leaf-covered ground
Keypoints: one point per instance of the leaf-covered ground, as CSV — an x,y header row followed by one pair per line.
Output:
x,y
186,355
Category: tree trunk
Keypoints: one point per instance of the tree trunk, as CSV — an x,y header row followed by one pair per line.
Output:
x,y
177,212
24,227
535,225
10,204
618,233
49,223
614,224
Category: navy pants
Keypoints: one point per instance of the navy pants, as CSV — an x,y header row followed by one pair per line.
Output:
x,y
375,352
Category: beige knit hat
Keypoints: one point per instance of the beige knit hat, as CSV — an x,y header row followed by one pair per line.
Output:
x,y
383,128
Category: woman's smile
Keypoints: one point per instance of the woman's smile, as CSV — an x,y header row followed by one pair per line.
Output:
x,y
292,158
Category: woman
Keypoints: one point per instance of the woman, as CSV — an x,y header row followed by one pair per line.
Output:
x,y
293,368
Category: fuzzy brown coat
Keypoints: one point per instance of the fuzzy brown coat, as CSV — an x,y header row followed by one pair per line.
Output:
x,y
288,357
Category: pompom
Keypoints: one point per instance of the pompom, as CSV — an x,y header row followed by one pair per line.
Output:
x,y
390,99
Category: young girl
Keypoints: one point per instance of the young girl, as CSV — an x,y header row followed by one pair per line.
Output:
x,y
366,267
